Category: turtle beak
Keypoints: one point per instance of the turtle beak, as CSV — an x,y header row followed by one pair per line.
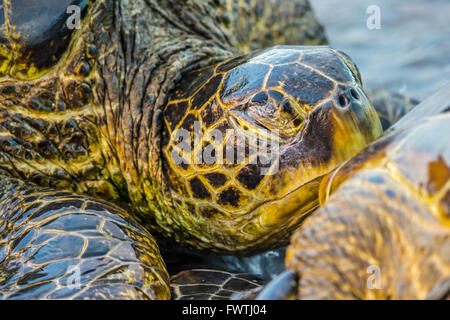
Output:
x,y
354,119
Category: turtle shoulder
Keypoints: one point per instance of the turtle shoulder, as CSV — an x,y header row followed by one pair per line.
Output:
x,y
420,159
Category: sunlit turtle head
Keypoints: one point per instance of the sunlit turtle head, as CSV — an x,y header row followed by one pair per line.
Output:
x,y
247,141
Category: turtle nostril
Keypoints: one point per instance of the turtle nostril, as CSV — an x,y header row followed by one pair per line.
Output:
x,y
354,94
343,100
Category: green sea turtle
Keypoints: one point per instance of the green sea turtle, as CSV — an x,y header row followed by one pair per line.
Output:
x,y
96,110
97,114
383,231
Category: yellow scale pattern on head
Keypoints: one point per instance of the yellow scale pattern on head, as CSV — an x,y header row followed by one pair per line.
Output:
x,y
204,205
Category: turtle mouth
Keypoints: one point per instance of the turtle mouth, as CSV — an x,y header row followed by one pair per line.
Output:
x,y
291,208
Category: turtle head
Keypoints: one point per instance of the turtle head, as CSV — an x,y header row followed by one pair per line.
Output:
x,y
263,129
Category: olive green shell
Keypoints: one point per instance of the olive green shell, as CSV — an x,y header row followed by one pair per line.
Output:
x,y
204,284
58,245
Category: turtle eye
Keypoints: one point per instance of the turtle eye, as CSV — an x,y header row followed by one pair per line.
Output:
x,y
261,98
283,117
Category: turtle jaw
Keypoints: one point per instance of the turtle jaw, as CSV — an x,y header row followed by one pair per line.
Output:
x,y
290,209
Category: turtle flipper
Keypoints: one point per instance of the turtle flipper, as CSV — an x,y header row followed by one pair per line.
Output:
x,y
58,245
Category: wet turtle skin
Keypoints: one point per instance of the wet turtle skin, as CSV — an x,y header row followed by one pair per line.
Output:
x,y
34,35
383,231
97,117
59,245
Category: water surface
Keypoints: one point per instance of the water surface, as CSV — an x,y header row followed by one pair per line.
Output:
x,y
410,54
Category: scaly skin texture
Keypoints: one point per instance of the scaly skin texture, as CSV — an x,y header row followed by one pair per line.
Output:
x,y
91,123
59,245
91,118
34,35
384,229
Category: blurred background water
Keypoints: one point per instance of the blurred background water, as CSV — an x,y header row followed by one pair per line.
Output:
x,y
410,54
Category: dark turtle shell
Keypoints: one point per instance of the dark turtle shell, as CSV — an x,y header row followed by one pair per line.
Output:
x,y
59,245
205,284
34,34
